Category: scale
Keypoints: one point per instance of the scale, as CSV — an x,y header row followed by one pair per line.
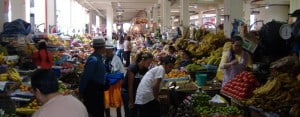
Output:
x,y
285,31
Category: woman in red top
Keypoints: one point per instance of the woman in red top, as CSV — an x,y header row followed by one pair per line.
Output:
x,y
43,58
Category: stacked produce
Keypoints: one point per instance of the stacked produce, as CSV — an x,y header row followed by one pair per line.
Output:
x,y
9,73
279,94
30,49
209,43
194,67
24,88
213,59
241,86
200,102
30,108
54,40
176,74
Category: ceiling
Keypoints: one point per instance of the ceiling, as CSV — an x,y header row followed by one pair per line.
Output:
x,y
133,8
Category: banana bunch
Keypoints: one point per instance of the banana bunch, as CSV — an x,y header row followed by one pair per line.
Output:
x,y
278,94
213,59
14,75
3,77
2,59
30,49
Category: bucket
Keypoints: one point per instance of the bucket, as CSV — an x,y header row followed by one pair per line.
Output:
x,y
201,79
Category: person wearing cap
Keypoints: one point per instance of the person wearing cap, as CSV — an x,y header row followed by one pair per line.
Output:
x,y
93,82
114,66
43,58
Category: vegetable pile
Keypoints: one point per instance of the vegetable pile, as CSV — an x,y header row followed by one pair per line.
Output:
x,y
242,86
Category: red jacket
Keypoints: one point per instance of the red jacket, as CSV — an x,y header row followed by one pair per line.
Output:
x,y
43,62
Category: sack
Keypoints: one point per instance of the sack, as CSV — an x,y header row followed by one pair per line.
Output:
x,y
113,78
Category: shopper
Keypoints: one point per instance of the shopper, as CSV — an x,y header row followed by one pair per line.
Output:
x,y
172,51
134,74
148,89
127,50
92,82
235,61
120,47
114,66
54,104
43,58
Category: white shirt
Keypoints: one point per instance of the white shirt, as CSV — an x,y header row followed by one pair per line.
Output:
x,y
127,45
120,46
117,64
62,106
144,92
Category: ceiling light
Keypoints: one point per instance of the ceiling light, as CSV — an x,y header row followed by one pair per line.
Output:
x,y
119,4
267,7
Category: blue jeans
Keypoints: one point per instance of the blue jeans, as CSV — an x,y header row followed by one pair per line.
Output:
x,y
128,112
119,53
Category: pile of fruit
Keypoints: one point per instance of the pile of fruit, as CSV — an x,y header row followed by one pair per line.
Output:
x,y
279,94
176,74
30,108
24,88
55,40
213,59
200,102
241,86
194,67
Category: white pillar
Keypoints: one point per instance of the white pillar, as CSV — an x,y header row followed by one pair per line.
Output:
x,y
233,9
109,22
90,22
3,13
155,13
51,14
166,14
18,9
247,11
184,13
218,19
200,14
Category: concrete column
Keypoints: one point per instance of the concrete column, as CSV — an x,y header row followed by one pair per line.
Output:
x,y
166,14
155,13
51,14
109,23
200,14
247,11
18,9
218,18
90,22
184,13
3,13
233,9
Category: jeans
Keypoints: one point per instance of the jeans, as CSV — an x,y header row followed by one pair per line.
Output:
x,y
128,112
127,58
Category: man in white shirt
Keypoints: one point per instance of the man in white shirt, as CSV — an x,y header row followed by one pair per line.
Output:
x,y
45,88
148,89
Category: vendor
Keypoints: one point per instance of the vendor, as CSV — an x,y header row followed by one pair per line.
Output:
x,y
235,61
43,58
172,51
187,58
